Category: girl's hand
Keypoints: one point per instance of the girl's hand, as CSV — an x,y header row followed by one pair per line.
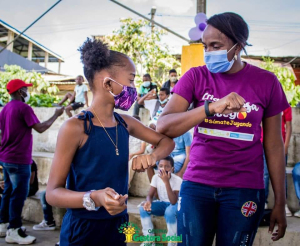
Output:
x,y
228,104
278,217
141,162
110,200
147,206
164,175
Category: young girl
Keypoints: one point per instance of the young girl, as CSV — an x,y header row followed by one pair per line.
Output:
x,y
223,191
92,152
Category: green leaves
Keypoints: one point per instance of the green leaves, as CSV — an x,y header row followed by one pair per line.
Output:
x,y
40,85
42,100
149,54
286,78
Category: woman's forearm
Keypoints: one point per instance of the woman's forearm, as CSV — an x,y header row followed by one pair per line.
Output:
x,y
176,124
276,166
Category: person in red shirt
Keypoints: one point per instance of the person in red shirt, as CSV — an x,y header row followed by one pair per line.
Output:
x,y
286,129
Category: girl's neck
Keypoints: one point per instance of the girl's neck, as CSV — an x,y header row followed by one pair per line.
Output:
x,y
104,111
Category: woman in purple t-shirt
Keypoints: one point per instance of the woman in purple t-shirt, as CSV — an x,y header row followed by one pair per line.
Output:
x,y
223,188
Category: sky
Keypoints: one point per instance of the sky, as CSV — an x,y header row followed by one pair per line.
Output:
x,y
274,24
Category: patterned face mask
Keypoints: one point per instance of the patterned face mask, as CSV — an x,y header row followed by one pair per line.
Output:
x,y
126,98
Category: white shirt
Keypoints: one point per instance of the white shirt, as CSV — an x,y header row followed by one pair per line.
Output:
x,y
150,105
175,183
80,90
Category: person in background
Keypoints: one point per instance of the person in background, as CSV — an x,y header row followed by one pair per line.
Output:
x,y
155,106
167,185
286,130
146,87
78,99
173,79
181,153
296,179
48,224
17,120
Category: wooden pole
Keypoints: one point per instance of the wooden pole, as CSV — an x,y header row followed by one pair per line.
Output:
x,y
201,6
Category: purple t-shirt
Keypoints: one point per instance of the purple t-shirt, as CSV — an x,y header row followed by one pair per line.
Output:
x,y
226,149
16,121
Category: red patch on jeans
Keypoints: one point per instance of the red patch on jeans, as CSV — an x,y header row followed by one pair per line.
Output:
x,y
249,208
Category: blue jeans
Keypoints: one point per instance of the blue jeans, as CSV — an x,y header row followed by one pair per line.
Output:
x,y
296,178
267,177
16,188
233,214
160,208
47,209
179,159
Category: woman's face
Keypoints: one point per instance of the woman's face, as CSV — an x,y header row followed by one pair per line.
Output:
x,y
214,40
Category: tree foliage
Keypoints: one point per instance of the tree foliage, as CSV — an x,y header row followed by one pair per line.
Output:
x,y
40,85
286,78
145,48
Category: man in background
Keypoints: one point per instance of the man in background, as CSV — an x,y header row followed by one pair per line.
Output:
x,y
17,120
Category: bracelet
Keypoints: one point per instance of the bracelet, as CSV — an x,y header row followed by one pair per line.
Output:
x,y
206,108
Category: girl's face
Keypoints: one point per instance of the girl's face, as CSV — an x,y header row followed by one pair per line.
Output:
x,y
214,40
124,76
164,164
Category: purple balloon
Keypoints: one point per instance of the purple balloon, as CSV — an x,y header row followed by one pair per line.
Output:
x,y
195,34
202,26
200,18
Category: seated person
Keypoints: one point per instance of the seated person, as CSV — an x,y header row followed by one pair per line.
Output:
x,y
173,79
137,147
145,88
48,224
155,106
167,186
78,99
296,179
181,153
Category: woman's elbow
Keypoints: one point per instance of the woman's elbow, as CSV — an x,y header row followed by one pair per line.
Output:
x,y
49,196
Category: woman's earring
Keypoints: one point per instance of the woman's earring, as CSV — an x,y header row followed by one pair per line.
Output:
x,y
235,57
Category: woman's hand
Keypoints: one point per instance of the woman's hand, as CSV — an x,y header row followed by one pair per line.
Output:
x,y
228,104
110,200
278,217
141,162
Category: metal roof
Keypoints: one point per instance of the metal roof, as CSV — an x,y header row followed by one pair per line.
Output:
x,y
21,45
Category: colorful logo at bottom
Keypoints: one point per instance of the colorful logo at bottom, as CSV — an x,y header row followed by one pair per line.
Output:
x,y
242,115
129,229
249,208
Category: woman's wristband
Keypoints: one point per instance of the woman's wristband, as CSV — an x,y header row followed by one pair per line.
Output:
x,y
206,108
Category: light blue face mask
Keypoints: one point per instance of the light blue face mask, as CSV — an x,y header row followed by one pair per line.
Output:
x,y
217,61
164,101
146,83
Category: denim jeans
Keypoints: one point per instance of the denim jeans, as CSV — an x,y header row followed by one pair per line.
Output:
x,y
233,214
267,177
47,209
296,179
160,208
16,188
178,161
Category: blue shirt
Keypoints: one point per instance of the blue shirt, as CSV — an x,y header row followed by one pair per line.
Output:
x,y
182,142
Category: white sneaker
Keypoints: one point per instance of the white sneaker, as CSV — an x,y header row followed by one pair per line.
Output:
x,y
297,214
43,226
287,211
18,236
3,229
